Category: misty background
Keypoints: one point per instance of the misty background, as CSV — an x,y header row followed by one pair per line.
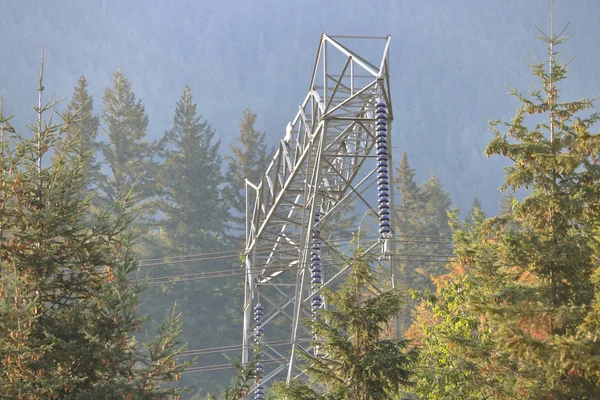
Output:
x,y
450,64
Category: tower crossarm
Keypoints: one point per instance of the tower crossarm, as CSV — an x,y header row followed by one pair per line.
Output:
x,y
338,107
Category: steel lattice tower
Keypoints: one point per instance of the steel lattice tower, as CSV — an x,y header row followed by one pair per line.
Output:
x,y
335,153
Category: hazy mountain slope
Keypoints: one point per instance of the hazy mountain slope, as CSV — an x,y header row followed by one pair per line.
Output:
x,y
451,62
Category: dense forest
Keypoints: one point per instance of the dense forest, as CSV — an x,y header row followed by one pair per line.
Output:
x,y
451,63
122,207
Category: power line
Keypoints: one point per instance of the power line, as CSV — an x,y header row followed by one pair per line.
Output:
x,y
219,367
210,350
297,266
441,258
227,252
399,257
238,253
269,252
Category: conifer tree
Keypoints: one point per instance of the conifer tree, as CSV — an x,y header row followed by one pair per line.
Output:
x,y
83,131
436,230
355,361
195,214
67,304
583,347
436,202
453,346
249,161
544,287
242,383
128,154
194,220
409,211
506,204
409,205
475,207
530,292
422,232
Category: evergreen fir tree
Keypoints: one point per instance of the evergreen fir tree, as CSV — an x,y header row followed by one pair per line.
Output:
x,y
244,380
249,161
408,224
475,205
583,347
194,219
543,285
475,208
505,206
422,230
128,153
436,229
454,347
437,203
409,205
80,135
530,293
67,304
356,362
195,214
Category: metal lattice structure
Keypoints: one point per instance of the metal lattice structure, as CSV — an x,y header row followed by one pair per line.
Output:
x,y
334,152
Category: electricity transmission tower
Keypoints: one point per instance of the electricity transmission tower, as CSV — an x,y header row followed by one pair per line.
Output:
x,y
336,155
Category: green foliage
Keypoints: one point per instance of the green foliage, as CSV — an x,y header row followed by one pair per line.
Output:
x,y
67,303
128,154
354,360
194,219
80,136
454,347
195,214
249,161
422,230
244,380
583,348
525,277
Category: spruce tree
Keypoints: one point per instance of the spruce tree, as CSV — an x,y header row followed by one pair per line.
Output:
x,y
454,348
505,205
583,347
437,203
195,213
355,361
422,232
528,284
249,161
194,220
127,153
543,288
67,303
409,211
80,135
436,229
476,207
409,200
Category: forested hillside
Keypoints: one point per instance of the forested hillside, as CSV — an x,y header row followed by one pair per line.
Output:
x,y
450,64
